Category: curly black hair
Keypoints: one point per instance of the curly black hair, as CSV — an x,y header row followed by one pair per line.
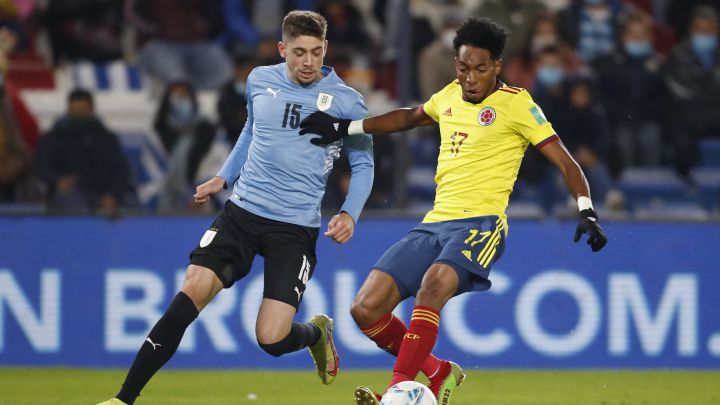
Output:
x,y
482,33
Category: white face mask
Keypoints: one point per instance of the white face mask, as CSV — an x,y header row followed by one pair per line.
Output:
x,y
447,37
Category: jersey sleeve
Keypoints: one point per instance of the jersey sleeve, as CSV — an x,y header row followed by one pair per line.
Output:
x,y
359,150
230,170
528,121
430,107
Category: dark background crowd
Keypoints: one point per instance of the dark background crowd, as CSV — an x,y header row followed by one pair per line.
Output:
x,y
632,88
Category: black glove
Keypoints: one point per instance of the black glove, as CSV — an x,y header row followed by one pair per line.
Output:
x,y
329,128
588,223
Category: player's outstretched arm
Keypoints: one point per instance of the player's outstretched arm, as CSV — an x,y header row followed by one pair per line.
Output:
x,y
332,129
210,187
578,186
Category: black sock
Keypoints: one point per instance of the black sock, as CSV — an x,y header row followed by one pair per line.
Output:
x,y
301,336
159,346
306,333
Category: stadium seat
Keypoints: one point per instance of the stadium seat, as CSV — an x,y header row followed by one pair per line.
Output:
x,y
642,186
710,153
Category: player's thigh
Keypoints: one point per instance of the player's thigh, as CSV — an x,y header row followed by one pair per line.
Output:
x,y
407,260
273,321
471,248
379,295
229,246
290,260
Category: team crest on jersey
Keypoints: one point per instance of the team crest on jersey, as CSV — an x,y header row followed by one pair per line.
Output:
x,y
486,116
324,101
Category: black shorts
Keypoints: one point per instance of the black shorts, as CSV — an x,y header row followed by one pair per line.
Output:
x,y
231,243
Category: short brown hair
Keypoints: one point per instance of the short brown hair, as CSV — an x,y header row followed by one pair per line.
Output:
x,y
302,22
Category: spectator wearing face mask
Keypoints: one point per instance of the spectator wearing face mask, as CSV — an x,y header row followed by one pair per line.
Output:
x,y
436,68
634,96
520,70
187,137
81,162
516,15
693,76
589,27
548,92
232,105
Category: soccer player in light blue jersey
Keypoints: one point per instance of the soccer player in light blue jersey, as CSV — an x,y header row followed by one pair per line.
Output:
x,y
278,181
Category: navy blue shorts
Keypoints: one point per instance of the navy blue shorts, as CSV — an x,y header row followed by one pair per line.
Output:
x,y
470,246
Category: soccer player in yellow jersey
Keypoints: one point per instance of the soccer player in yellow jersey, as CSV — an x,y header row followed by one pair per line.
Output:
x,y
485,127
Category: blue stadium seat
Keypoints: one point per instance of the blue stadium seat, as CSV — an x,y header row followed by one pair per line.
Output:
x,y
113,76
710,153
643,186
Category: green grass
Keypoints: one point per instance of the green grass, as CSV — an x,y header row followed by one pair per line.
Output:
x,y
41,386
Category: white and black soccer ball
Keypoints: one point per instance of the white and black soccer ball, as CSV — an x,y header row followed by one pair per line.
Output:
x,y
408,393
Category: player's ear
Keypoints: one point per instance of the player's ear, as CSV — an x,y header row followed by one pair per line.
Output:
x,y
498,66
325,47
281,48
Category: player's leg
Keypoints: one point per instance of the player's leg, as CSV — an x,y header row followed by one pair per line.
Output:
x,y
223,256
290,260
277,333
200,286
372,311
439,284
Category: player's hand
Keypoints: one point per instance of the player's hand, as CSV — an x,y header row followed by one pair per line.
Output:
x,y
329,128
341,227
588,223
210,187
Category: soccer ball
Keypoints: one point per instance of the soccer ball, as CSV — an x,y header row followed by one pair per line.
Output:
x,y
408,393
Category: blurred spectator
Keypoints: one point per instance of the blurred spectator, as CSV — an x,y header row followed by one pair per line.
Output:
x,y
180,44
516,15
520,71
247,22
14,153
693,77
19,17
402,39
583,129
589,27
81,161
232,105
677,13
346,31
548,93
187,137
435,64
634,96
85,29
664,37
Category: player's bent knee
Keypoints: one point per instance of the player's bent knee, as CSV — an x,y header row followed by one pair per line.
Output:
x,y
277,349
365,312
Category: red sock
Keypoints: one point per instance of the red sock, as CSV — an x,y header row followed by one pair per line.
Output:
x,y
387,333
417,343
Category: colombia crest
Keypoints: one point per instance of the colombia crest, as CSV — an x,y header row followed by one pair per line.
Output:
x,y
486,116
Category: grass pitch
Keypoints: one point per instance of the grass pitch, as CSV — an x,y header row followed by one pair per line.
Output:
x,y
40,386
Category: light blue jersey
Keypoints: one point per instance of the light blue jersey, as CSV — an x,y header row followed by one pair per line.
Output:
x,y
277,173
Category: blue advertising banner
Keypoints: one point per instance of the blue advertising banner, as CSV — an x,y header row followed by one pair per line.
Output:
x,y
85,292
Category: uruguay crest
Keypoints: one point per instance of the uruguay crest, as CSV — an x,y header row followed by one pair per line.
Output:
x,y
208,237
486,116
324,101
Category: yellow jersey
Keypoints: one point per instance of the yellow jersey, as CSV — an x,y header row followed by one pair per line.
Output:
x,y
481,148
